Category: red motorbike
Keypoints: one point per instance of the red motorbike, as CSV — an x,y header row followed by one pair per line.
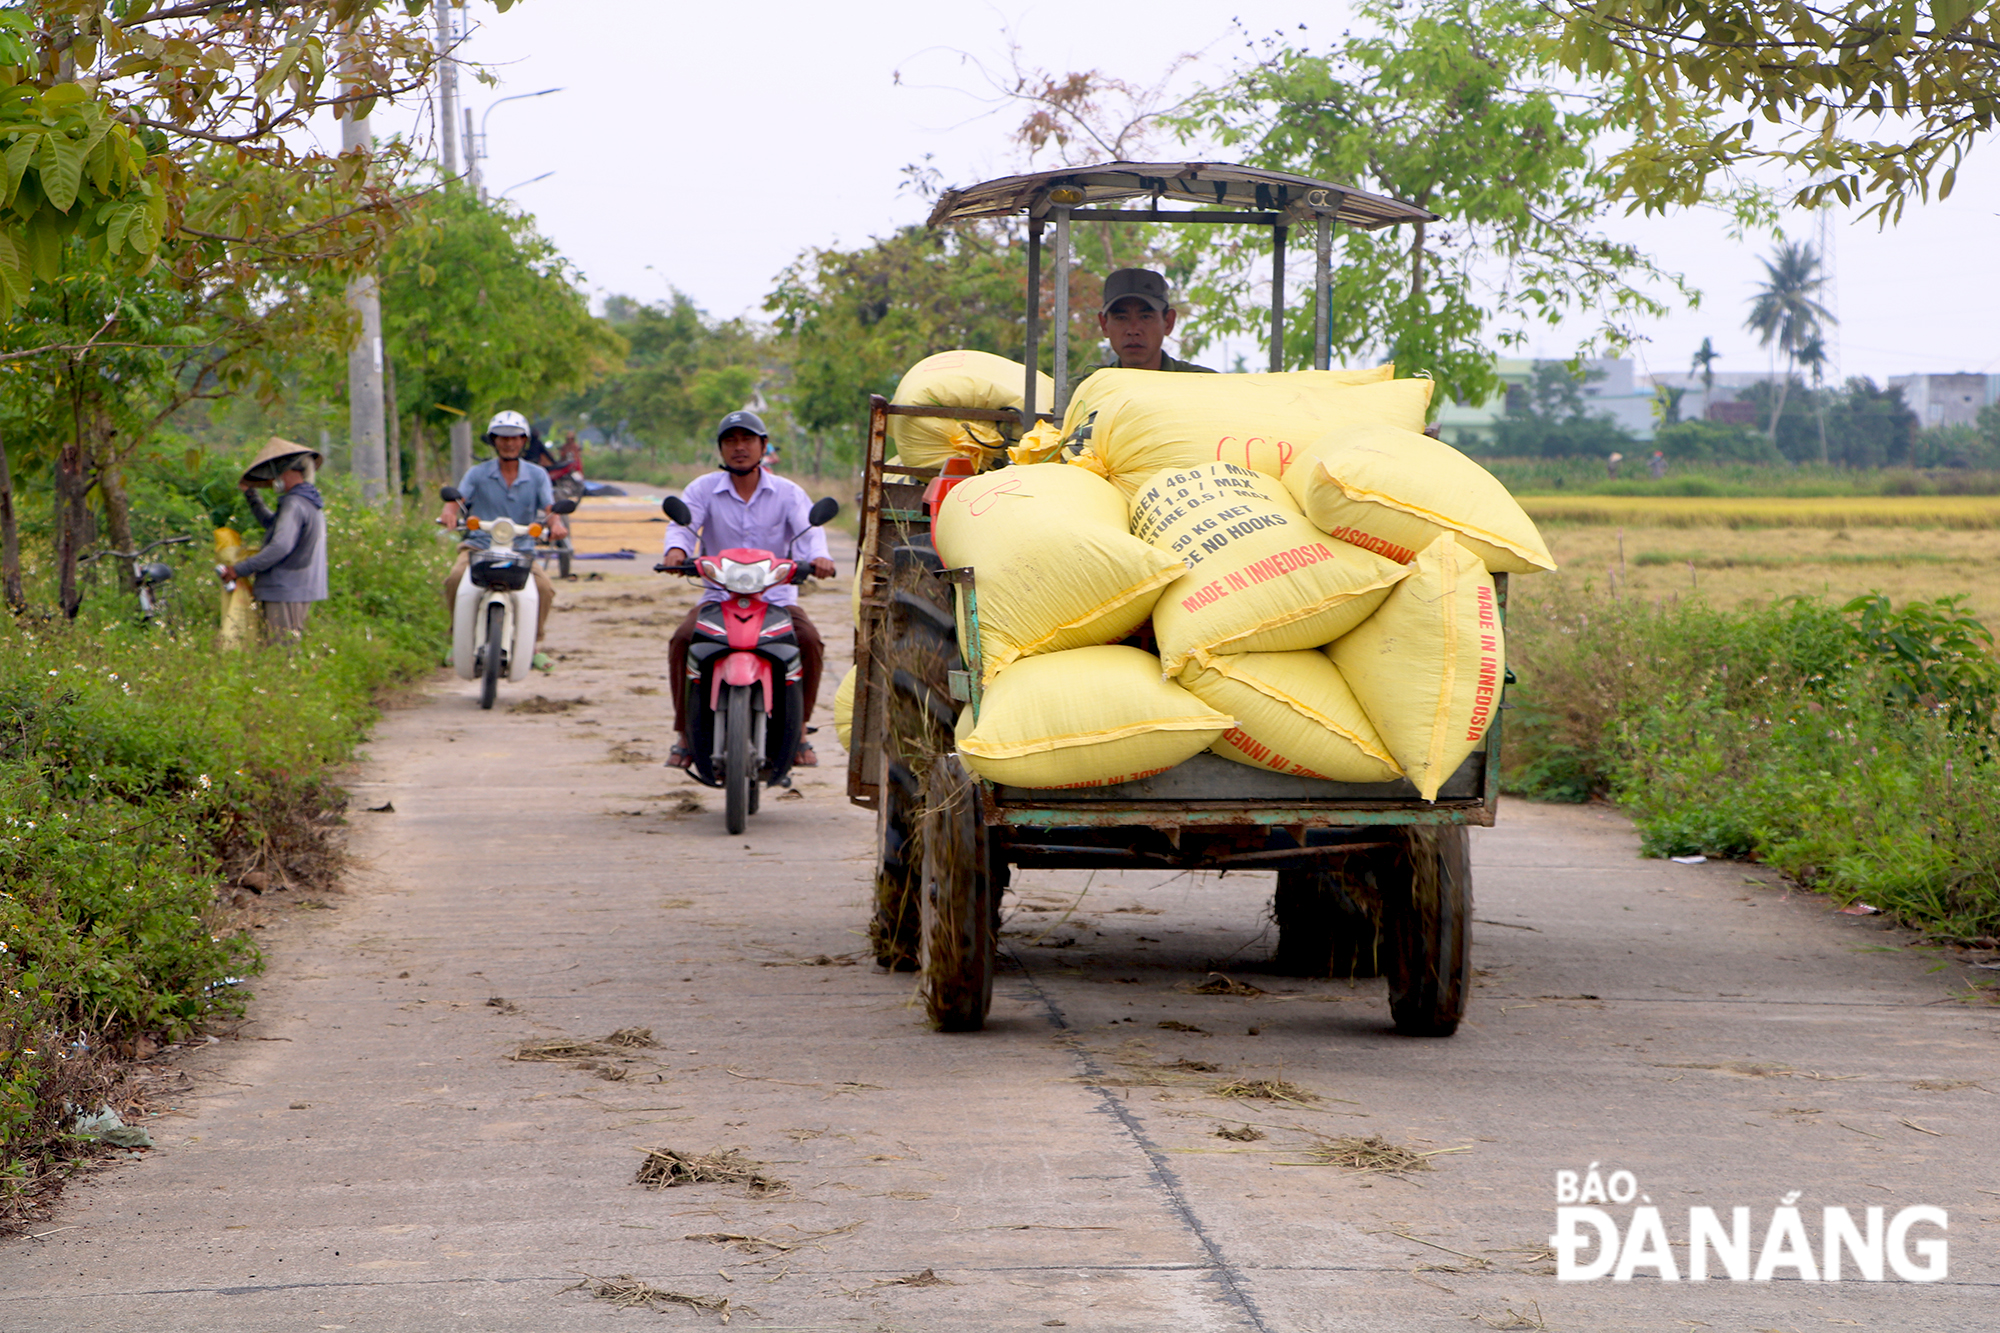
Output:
x,y
745,696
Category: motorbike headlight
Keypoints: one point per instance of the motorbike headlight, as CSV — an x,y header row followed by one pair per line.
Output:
x,y
746,578
503,531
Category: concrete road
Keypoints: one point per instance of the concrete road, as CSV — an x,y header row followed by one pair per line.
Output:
x,y
367,1156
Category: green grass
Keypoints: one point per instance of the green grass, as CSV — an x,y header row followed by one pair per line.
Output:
x,y
139,771
1851,747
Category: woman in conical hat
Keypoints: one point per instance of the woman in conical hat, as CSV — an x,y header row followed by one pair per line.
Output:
x,y
291,569
272,459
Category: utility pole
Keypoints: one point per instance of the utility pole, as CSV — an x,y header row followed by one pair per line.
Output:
x,y
447,108
364,359
448,122
472,156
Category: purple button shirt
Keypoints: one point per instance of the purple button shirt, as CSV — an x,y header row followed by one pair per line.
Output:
x,y
772,519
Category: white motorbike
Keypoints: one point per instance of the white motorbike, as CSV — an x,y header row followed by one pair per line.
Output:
x,y
498,607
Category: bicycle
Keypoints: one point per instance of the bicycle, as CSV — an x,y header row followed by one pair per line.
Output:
x,y
149,577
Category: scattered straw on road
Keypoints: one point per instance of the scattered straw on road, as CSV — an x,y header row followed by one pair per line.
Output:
x,y
665,1168
626,1292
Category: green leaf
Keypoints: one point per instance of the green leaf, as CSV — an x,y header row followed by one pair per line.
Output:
x,y
43,239
16,159
60,163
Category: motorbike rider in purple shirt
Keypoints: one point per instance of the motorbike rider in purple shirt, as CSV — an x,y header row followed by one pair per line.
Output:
x,y
744,505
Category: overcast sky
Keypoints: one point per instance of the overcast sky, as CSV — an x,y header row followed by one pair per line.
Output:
x,y
706,146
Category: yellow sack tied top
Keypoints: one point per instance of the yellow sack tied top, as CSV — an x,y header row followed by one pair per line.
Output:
x,y
1141,421
958,379
1040,445
1427,667
1055,566
1090,717
1294,715
1394,491
1260,578
843,708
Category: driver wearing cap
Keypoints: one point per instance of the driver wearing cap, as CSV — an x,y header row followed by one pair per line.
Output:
x,y
1136,317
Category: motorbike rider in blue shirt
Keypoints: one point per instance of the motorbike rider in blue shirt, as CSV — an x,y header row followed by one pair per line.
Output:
x,y
505,486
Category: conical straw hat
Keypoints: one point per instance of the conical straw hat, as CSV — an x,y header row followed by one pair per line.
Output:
x,y
271,460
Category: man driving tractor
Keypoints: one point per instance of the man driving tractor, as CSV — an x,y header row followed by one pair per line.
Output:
x,y
744,505
1135,318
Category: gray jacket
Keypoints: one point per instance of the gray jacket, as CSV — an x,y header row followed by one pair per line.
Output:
x,y
292,565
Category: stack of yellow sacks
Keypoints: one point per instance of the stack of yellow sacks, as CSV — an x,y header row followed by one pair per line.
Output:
x,y
1317,573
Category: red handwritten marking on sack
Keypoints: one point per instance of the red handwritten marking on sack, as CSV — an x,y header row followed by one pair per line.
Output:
x,y
1486,687
1225,453
1368,541
979,504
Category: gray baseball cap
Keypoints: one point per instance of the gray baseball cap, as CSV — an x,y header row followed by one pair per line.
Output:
x,y
742,420
1143,283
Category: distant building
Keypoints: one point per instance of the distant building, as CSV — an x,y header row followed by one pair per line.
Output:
x,y
1947,400
1610,391
1700,402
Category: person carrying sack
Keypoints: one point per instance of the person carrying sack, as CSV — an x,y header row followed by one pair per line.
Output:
x,y
291,567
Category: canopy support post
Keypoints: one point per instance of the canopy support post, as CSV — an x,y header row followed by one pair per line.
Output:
x,y
1028,404
1323,295
1278,297
1062,310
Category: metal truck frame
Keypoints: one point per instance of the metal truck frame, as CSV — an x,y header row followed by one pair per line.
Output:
x,y
1371,878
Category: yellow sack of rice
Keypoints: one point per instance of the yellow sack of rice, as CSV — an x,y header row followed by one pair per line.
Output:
x,y
1056,566
1138,422
843,708
1427,667
959,379
1294,715
1259,577
1090,717
1393,491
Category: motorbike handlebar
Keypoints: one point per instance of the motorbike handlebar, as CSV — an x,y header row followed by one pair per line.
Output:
x,y
686,567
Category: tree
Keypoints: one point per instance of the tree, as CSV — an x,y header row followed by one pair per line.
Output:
x,y
1868,99
1813,357
1705,357
685,370
1449,106
1786,312
481,312
1548,418
855,320
104,102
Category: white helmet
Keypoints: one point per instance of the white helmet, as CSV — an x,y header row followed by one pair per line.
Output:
x,y
507,423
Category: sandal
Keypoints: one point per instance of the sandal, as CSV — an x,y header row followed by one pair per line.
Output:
x,y
805,756
680,757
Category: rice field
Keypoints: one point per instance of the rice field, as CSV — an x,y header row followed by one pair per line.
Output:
x,y
1728,566
1956,512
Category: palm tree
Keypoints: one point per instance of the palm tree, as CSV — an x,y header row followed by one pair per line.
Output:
x,y
1813,357
1785,312
1704,361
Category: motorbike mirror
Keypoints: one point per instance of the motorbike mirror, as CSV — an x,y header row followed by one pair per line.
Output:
x,y
563,507
449,494
676,509
823,511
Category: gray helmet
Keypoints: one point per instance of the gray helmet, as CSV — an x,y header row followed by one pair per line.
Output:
x,y
744,419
